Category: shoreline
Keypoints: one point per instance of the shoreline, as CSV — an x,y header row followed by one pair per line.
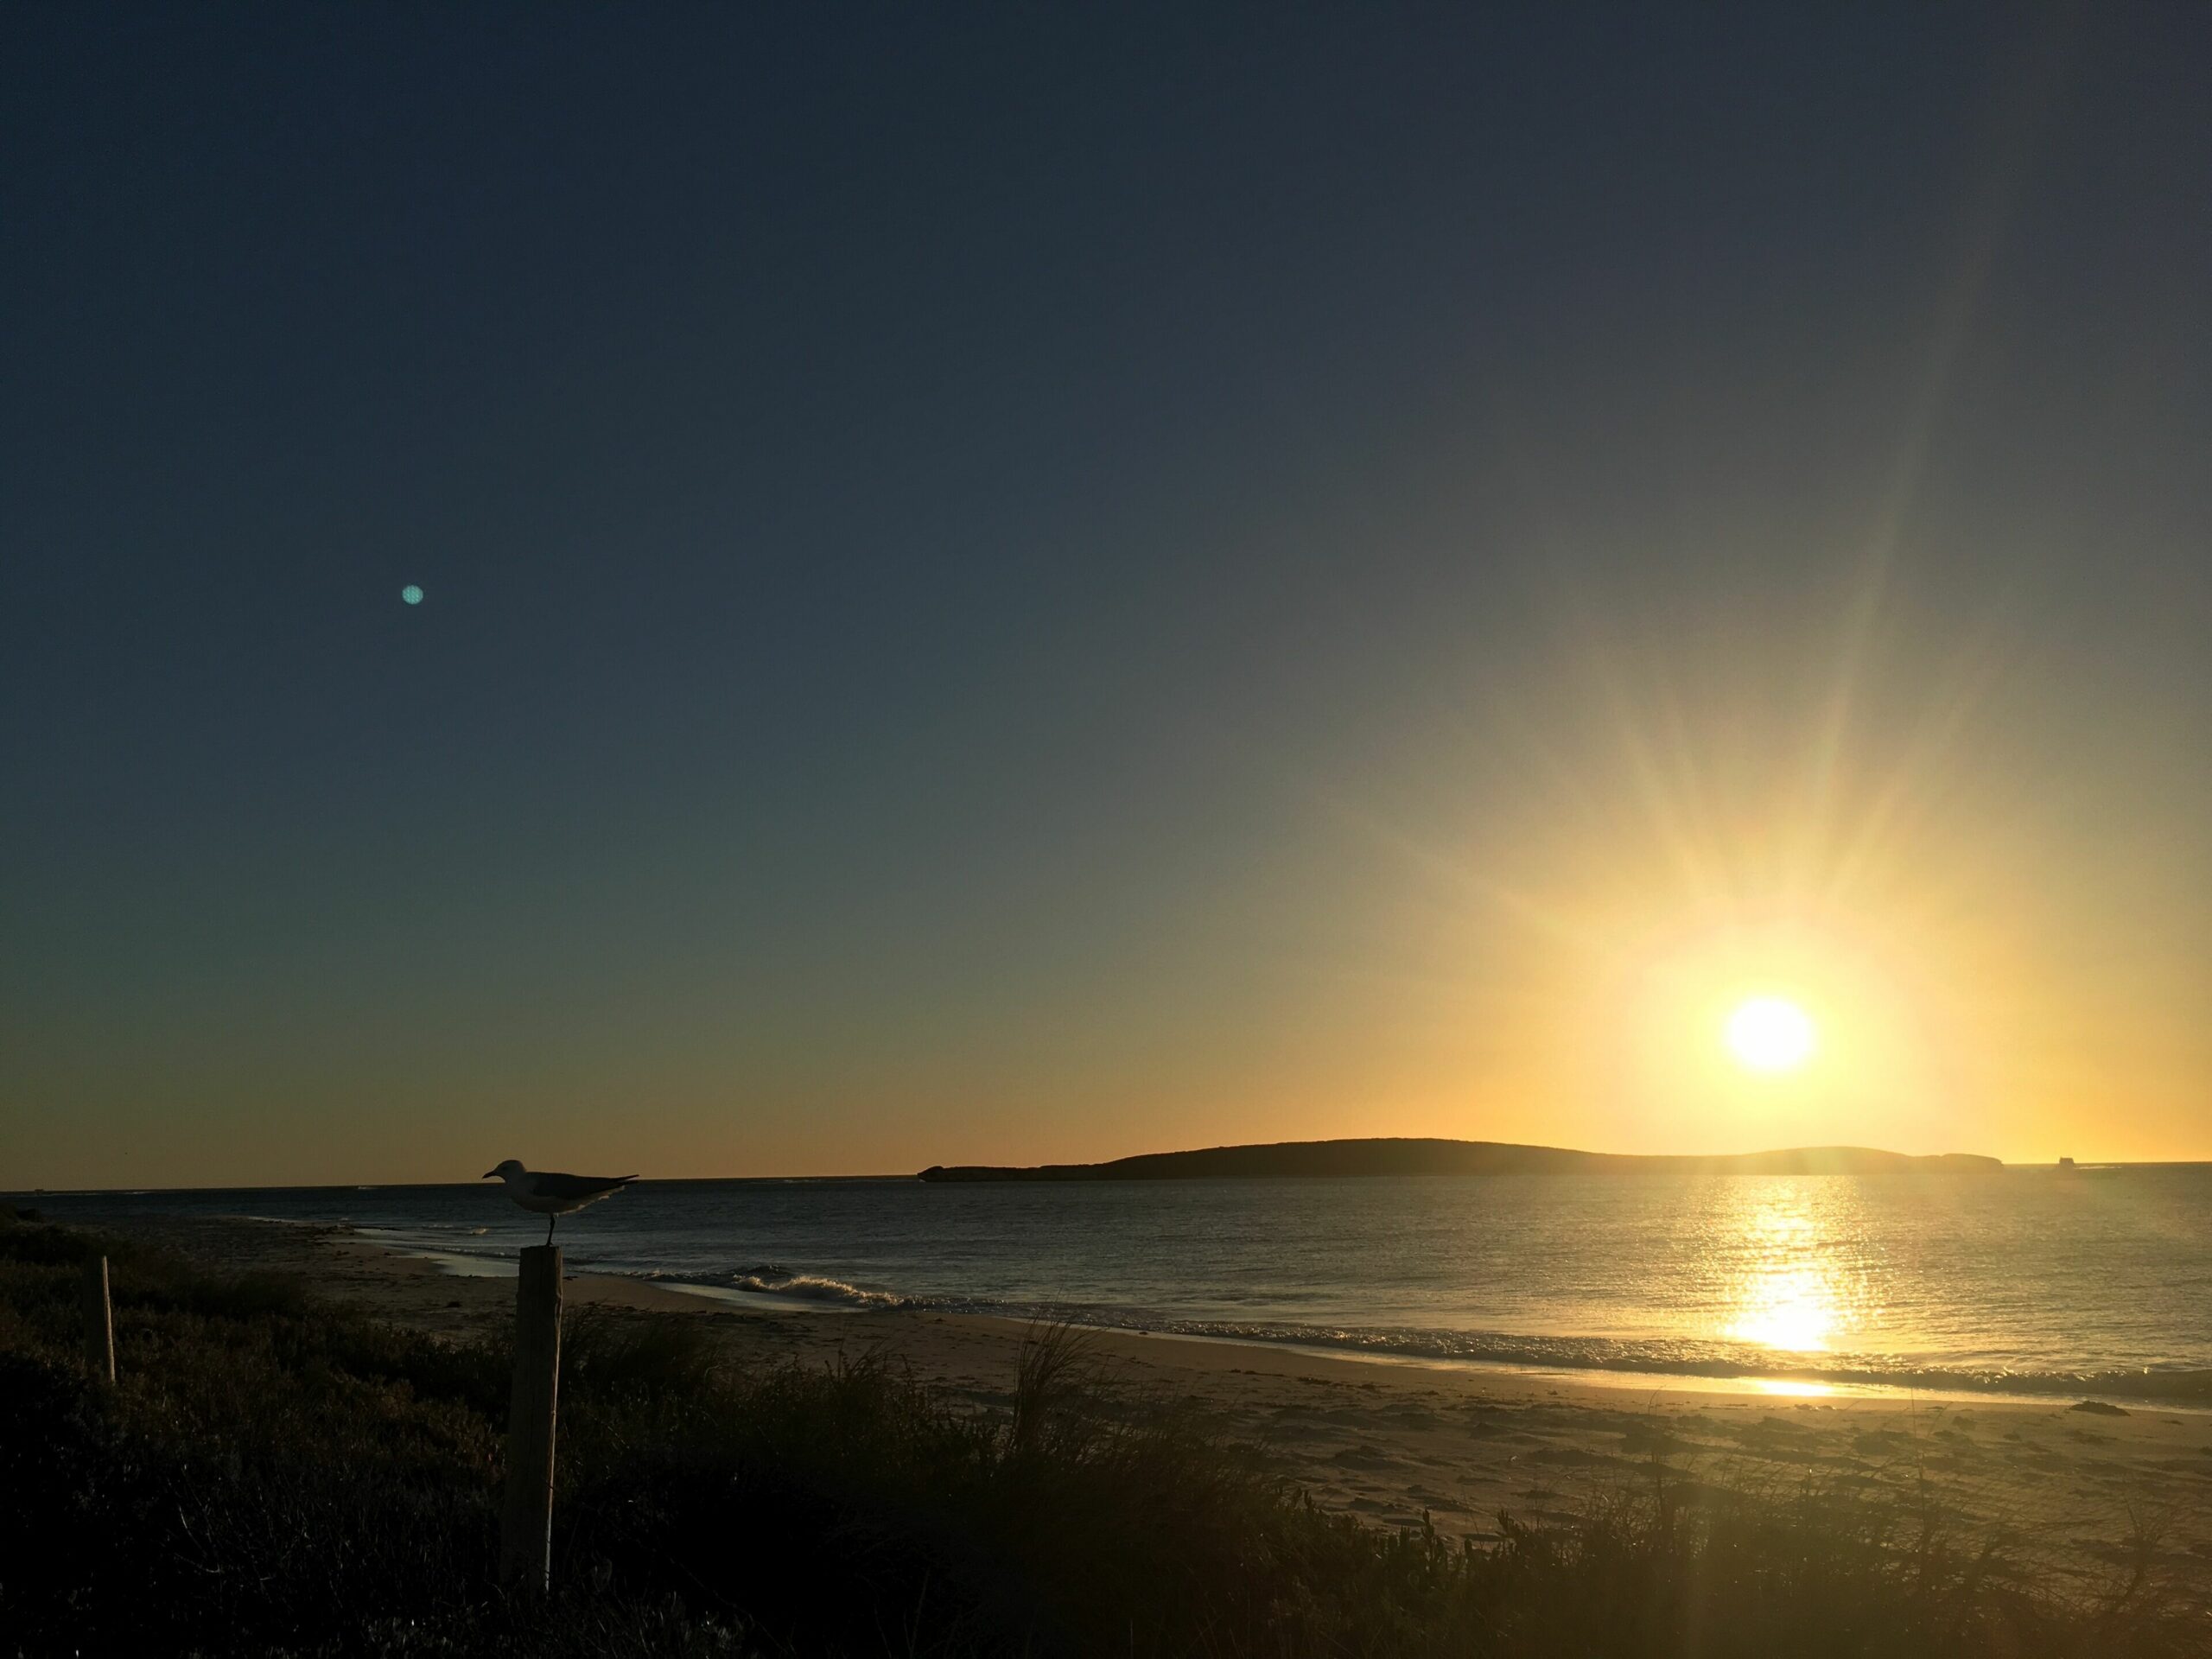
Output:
x,y
605,1286
1405,1442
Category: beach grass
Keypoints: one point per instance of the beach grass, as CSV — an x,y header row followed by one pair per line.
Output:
x,y
274,1473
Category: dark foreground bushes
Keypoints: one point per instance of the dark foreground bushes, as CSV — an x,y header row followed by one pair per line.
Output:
x,y
274,1475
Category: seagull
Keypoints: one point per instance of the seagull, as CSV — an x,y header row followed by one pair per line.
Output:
x,y
552,1196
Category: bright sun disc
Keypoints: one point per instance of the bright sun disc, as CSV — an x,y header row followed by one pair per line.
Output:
x,y
1770,1033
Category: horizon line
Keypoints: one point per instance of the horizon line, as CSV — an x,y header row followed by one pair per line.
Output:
x,y
914,1175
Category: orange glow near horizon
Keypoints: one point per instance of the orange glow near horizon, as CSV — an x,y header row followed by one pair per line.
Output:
x,y
1703,921
1550,948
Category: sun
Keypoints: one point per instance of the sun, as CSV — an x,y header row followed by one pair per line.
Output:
x,y
1770,1034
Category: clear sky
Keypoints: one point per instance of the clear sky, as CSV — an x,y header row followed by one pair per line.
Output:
x,y
1046,582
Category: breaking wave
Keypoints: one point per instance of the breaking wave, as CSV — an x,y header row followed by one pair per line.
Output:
x,y
1719,1362
809,1287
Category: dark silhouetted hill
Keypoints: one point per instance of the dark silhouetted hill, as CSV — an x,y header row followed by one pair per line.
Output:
x,y
1416,1157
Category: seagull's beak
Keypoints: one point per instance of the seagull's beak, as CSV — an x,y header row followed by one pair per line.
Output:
x,y
487,1175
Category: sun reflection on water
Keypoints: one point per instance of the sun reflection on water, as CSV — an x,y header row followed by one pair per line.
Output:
x,y
1791,1308
1791,1279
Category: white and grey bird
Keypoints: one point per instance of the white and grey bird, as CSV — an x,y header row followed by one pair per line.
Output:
x,y
543,1193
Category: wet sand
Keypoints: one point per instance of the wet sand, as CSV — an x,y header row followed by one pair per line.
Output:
x,y
2088,1492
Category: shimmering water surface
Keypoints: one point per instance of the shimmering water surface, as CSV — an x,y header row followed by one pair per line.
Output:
x,y
2032,1279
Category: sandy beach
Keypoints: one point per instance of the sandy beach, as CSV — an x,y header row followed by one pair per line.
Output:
x,y
2090,1492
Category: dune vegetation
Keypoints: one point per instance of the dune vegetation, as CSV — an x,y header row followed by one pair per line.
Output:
x,y
274,1474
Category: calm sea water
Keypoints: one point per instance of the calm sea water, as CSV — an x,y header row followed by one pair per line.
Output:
x,y
2031,1281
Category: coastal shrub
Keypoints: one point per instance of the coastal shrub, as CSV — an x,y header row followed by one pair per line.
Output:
x,y
603,1353
275,1474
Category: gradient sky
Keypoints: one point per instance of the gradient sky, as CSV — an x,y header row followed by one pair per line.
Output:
x,y
1028,585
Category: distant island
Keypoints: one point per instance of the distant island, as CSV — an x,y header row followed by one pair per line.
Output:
x,y
1416,1157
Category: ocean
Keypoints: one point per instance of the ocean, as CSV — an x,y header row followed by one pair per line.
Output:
x,y
2032,1282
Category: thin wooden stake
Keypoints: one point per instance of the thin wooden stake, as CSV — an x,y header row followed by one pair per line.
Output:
x,y
99,1320
527,1518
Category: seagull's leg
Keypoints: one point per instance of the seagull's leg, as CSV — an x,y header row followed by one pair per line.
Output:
x,y
552,1217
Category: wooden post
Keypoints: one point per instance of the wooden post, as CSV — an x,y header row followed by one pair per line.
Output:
x,y
526,1519
99,1320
